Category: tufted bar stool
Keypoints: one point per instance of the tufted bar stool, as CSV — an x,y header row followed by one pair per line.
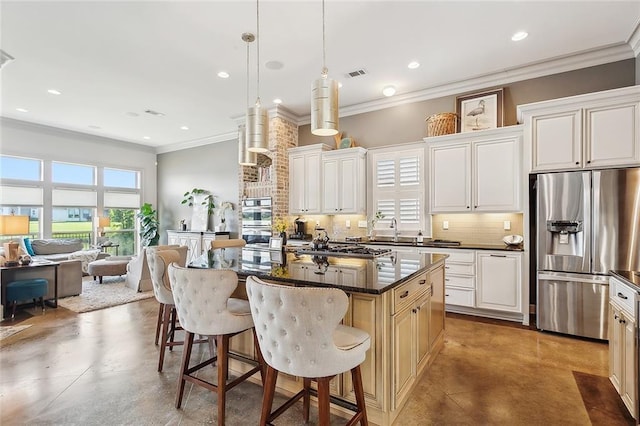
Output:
x,y
300,334
205,306
166,327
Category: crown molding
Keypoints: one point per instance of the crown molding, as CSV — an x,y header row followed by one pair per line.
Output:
x,y
558,65
224,137
634,40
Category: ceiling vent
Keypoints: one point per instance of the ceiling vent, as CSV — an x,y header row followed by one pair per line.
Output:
x,y
356,73
152,112
5,58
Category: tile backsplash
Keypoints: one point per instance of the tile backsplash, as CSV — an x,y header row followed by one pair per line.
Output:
x,y
481,228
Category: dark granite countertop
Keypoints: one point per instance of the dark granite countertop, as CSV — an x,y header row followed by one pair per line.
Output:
x,y
631,278
355,275
427,244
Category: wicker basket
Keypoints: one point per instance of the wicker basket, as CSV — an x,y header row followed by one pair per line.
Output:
x,y
441,124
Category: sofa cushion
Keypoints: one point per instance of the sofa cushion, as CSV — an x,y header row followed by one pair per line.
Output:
x,y
55,246
28,246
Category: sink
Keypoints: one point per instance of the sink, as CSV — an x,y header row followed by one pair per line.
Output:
x,y
401,240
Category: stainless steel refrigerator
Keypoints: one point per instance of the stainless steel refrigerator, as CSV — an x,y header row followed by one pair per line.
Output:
x,y
588,223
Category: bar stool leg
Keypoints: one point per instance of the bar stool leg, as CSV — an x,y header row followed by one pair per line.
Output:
x,y
306,399
223,362
13,309
159,323
186,356
268,394
323,401
259,354
356,377
172,330
163,339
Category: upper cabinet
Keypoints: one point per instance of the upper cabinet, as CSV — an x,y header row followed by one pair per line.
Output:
x,y
476,171
595,130
344,181
305,179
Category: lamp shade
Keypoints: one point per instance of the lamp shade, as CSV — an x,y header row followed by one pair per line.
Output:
x,y
104,222
324,107
245,157
257,129
14,225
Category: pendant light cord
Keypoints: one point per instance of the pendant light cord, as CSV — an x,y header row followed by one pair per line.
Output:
x,y
325,71
258,58
247,74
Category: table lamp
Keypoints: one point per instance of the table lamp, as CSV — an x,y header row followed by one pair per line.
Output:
x,y
13,225
103,222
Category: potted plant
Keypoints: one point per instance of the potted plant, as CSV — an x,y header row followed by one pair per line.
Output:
x,y
202,205
280,225
149,235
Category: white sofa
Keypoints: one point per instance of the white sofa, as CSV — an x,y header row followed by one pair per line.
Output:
x,y
138,274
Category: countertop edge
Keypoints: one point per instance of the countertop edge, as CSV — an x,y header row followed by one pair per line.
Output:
x,y
626,281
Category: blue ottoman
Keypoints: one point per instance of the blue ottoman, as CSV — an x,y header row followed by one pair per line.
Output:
x,y
26,290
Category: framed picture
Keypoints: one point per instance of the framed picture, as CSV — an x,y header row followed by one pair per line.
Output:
x,y
480,111
275,243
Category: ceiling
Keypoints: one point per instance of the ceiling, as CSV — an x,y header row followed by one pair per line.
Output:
x,y
113,60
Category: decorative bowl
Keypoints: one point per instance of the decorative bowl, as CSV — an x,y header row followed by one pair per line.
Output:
x,y
513,240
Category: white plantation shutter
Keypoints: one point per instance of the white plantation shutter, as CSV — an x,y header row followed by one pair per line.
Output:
x,y
399,188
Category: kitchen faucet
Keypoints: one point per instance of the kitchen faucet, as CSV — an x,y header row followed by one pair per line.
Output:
x,y
394,226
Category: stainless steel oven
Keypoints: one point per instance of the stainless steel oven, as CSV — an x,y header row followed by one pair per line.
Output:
x,y
256,222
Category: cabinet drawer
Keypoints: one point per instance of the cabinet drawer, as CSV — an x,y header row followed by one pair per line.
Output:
x,y
406,293
461,256
459,268
623,295
459,296
460,281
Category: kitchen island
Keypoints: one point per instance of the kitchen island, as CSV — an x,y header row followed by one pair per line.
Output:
x,y
398,298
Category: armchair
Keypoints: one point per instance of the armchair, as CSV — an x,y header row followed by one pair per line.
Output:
x,y
138,274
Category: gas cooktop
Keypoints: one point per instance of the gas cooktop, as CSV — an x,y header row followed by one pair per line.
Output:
x,y
348,250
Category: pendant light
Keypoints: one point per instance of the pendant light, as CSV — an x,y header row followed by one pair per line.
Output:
x,y
246,157
257,117
324,98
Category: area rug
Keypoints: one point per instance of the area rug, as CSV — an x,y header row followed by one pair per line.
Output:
x,y
112,292
10,330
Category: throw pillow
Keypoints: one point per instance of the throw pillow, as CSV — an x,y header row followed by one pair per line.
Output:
x,y
27,245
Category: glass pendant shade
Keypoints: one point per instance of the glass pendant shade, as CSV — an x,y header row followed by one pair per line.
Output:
x,y
257,129
245,157
324,107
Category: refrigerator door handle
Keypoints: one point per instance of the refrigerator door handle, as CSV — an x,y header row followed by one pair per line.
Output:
x,y
578,279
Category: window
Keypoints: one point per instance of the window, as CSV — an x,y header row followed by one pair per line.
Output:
x,y
399,187
73,173
20,168
121,178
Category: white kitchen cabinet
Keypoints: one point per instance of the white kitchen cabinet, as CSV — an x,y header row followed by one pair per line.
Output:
x,y
476,171
344,181
499,281
623,371
587,131
305,179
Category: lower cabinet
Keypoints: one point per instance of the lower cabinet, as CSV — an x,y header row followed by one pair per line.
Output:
x,y
499,281
623,370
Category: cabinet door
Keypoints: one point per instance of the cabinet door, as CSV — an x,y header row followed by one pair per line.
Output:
x,y
612,136
297,181
403,358
173,238
556,140
330,188
349,191
499,282
422,314
311,177
496,175
436,322
450,178
630,378
616,338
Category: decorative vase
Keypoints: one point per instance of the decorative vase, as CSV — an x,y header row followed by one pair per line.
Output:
x,y
200,213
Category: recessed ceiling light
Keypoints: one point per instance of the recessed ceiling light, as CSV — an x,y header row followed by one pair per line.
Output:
x,y
520,35
54,92
277,101
146,138
184,128
413,65
93,126
22,110
274,65
132,114
389,91
339,84
223,74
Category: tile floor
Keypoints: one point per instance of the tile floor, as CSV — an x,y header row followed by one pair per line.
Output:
x,y
99,368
